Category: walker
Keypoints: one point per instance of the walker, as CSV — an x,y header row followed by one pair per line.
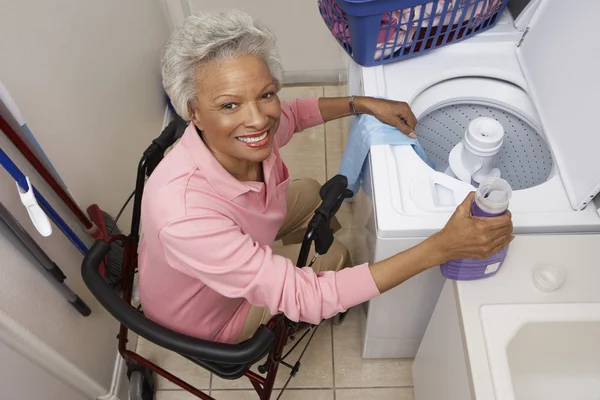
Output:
x,y
228,361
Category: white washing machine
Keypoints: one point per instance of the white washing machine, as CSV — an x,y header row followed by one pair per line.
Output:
x,y
538,75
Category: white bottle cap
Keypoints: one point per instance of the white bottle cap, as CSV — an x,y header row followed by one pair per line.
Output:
x,y
493,195
548,278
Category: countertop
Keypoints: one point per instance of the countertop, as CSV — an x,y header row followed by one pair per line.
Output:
x,y
579,255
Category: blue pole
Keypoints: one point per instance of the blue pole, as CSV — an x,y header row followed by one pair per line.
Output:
x,y
19,177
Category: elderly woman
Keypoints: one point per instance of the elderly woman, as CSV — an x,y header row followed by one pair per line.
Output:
x,y
216,204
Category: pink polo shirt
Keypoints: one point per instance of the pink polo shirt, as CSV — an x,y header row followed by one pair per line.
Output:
x,y
205,254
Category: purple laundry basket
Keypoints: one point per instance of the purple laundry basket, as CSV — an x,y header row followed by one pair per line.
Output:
x,y
375,32
491,200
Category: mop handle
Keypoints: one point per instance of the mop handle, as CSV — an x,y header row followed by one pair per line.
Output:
x,y
48,267
39,167
18,176
13,109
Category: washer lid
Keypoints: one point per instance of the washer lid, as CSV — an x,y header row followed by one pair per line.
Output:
x,y
560,59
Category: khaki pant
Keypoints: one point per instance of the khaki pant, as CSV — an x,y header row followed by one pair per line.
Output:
x,y
303,198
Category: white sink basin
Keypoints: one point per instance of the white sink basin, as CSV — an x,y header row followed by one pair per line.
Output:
x,y
543,351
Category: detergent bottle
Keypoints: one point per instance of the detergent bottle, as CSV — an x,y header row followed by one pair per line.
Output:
x,y
491,199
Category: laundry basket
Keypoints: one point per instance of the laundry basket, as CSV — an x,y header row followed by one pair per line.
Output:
x,y
375,32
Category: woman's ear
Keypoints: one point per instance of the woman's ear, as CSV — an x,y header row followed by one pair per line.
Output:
x,y
194,118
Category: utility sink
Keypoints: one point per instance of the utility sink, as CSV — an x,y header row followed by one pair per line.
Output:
x,y
543,351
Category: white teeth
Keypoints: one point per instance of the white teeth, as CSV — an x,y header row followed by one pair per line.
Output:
x,y
253,140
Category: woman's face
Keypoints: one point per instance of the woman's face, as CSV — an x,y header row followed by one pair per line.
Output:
x,y
237,110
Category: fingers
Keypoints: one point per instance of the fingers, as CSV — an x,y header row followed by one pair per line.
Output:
x,y
497,223
497,226
493,223
501,240
402,126
410,118
464,209
397,114
498,243
502,244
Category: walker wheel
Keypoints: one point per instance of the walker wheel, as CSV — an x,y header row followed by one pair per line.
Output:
x,y
141,384
338,319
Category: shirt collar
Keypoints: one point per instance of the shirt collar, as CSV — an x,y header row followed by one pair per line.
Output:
x,y
216,175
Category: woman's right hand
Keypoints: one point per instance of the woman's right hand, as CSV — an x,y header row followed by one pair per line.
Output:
x,y
466,236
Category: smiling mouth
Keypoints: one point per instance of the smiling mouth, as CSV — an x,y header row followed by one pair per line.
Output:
x,y
253,139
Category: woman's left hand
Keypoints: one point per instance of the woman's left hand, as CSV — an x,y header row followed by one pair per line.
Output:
x,y
395,113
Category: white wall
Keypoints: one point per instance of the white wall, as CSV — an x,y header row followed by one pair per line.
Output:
x,y
25,380
309,51
86,76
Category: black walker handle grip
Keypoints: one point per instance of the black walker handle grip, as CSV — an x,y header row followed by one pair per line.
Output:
x,y
333,193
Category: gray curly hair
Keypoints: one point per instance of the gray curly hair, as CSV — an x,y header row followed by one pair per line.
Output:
x,y
209,37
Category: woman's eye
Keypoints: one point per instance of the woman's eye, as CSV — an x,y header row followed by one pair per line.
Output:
x,y
268,95
229,106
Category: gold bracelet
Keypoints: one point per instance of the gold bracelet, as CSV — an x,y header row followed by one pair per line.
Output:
x,y
351,101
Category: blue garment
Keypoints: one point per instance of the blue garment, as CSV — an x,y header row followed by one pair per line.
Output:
x,y
368,131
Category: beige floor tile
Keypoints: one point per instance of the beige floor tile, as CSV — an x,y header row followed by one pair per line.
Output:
x,y
287,395
304,155
317,363
316,371
346,124
335,134
174,395
363,210
350,235
346,215
297,92
351,370
344,235
335,91
241,383
355,242
375,394
175,364
316,152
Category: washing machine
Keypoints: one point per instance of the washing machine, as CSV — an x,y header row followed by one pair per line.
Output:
x,y
536,73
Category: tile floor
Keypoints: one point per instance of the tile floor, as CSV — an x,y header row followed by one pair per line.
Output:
x,y
332,368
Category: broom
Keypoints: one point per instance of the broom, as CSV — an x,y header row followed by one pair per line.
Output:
x,y
98,220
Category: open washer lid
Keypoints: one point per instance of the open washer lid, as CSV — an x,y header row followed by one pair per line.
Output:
x,y
560,58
